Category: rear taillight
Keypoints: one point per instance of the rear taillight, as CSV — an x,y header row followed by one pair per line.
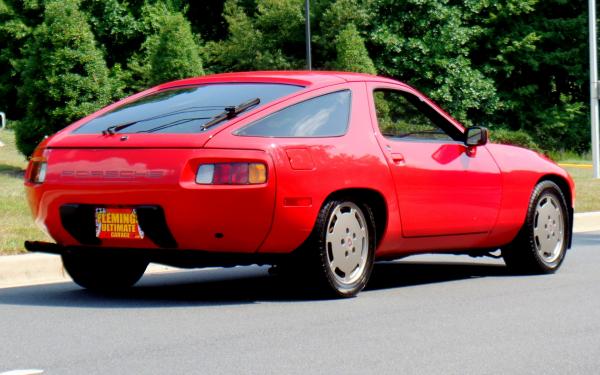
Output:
x,y
37,174
231,174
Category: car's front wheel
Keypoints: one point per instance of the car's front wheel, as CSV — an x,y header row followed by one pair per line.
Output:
x,y
342,247
104,272
541,244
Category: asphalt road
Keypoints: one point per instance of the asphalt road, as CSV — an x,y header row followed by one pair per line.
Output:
x,y
422,315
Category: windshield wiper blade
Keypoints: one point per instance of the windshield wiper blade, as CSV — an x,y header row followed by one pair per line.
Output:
x,y
230,112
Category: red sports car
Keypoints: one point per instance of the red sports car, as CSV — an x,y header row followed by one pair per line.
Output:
x,y
321,173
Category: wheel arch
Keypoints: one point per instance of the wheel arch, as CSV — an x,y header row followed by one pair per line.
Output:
x,y
565,187
374,199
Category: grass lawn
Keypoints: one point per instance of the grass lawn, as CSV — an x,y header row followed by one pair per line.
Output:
x,y
587,189
16,223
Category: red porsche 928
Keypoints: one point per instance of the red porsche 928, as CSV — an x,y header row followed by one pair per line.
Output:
x,y
322,173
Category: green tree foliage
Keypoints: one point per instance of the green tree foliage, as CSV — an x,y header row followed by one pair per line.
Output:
x,y
515,138
64,74
206,18
117,28
330,19
173,52
512,65
427,43
352,55
170,51
16,20
538,59
273,38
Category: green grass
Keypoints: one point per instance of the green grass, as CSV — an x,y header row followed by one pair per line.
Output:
x,y
587,189
570,157
16,222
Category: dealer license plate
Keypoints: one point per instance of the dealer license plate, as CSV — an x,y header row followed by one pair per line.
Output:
x,y
117,223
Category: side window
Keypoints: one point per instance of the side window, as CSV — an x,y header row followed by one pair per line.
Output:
x,y
323,116
403,115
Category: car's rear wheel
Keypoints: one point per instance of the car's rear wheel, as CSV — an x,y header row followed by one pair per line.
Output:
x,y
342,247
104,272
541,245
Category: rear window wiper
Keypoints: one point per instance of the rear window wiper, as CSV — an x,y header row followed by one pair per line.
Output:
x,y
230,112
173,123
117,128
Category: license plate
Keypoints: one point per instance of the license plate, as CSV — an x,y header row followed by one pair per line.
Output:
x,y
117,223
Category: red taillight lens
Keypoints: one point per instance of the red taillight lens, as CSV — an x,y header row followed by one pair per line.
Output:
x,y
231,174
239,173
222,174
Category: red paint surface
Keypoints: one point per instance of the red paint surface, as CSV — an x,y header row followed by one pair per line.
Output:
x,y
300,159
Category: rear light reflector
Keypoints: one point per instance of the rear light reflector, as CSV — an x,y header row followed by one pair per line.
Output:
x,y
231,174
205,174
38,171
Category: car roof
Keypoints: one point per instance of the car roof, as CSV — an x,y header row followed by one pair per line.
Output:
x,y
302,78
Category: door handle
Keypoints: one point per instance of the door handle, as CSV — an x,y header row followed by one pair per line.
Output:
x,y
398,158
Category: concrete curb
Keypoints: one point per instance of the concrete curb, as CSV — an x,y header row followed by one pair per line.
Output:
x,y
35,268
586,222
31,269
26,269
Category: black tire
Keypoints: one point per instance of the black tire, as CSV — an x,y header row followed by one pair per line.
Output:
x,y
104,272
541,244
355,250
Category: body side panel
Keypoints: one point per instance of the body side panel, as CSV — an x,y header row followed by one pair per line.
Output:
x,y
521,169
351,161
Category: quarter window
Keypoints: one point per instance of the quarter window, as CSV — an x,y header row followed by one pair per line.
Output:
x,y
401,115
323,116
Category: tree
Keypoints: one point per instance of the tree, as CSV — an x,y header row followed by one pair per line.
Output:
x,y
117,26
16,20
538,59
173,53
271,39
206,17
427,43
64,74
328,22
506,64
170,51
351,52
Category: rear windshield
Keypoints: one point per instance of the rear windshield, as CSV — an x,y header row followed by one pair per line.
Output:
x,y
183,109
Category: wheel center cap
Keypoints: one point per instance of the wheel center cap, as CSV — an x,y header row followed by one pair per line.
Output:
x,y
349,242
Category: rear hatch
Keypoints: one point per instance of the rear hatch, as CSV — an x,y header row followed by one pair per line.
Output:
x,y
180,116
144,155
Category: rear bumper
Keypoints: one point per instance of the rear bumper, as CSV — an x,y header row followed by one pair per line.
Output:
x,y
177,258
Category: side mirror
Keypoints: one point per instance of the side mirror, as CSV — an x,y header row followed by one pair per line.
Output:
x,y
476,136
